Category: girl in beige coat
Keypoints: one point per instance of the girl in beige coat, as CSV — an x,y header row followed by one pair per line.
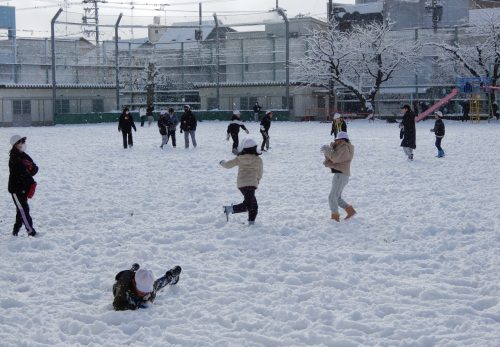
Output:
x,y
338,157
250,170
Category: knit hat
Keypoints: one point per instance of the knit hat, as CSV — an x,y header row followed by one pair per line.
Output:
x,y
249,143
439,114
144,280
342,135
269,112
406,107
187,107
337,116
236,113
162,113
15,139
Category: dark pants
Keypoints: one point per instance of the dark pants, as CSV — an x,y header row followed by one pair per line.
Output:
x,y
171,134
249,203
143,119
265,140
23,213
235,140
465,116
127,135
438,143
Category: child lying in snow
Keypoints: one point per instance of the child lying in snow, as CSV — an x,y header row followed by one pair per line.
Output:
x,y
136,287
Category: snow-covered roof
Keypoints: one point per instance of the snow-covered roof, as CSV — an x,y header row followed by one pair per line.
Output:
x,y
371,7
243,84
186,32
59,86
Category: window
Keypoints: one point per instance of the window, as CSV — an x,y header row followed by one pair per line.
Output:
x,y
244,103
212,103
252,101
21,107
321,101
62,106
290,103
247,66
98,105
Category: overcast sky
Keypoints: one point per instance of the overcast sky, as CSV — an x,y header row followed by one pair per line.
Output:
x,y
36,22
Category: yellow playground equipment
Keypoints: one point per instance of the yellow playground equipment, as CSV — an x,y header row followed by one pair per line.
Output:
x,y
475,108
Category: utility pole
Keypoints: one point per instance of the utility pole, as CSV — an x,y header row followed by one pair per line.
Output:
x,y
282,13
91,17
217,47
53,54
435,7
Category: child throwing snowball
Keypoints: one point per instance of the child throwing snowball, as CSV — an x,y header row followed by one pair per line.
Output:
x,y
250,171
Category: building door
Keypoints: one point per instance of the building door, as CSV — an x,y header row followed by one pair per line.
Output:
x,y
21,113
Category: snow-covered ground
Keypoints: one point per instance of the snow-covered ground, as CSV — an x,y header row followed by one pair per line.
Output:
x,y
418,265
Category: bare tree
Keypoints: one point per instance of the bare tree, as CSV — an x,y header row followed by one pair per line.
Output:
x,y
361,59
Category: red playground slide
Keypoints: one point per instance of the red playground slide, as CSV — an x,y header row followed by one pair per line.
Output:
x,y
438,104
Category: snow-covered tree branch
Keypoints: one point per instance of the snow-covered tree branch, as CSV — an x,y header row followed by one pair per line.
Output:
x,y
360,60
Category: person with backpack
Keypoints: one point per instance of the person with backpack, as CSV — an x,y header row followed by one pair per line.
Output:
x,y
265,124
188,126
125,125
172,125
162,127
439,131
21,185
233,130
137,288
338,124
250,171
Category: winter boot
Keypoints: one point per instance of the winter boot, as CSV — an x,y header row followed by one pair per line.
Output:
x,y
350,211
228,210
172,275
234,151
15,232
440,154
336,216
32,233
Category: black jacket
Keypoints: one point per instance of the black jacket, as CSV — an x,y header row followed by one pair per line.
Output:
x,y
438,128
126,298
188,121
234,127
126,123
265,122
256,108
163,123
21,172
342,126
409,135
149,111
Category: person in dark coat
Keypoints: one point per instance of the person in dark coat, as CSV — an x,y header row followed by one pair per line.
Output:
x,y
439,131
21,186
494,108
233,130
125,125
408,132
338,124
149,114
162,127
265,124
256,111
172,125
465,110
135,288
188,126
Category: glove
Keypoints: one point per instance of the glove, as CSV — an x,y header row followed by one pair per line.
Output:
x,y
247,131
222,162
227,137
324,148
262,128
31,191
181,131
432,130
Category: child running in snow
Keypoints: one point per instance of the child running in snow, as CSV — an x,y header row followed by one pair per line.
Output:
x,y
338,157
135,288
233,130
439,130
250,171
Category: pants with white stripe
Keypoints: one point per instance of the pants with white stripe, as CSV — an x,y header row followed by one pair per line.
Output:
x,y
23,213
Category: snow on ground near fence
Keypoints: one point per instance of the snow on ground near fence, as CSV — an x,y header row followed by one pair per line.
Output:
x,y
418,265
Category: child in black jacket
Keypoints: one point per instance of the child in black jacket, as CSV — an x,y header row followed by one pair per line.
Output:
x,y
233,130
136,287
125,125
21,183
439,131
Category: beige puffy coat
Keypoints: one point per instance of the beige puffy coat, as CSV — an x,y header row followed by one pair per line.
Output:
x,y
250,169
339,157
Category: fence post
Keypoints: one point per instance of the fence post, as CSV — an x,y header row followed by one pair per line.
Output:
x,y
217,50
53,49
117,66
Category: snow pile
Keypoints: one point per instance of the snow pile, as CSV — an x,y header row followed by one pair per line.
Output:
x,y
418,265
